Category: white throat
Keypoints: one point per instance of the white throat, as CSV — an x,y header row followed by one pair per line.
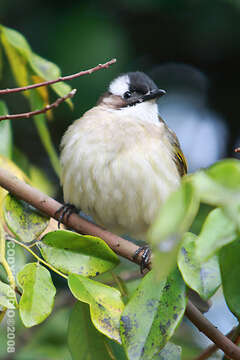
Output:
x,y
146,111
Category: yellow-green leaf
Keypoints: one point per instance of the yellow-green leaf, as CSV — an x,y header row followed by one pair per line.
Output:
x,y
5,133
70,252
37,300
218,230
152,315
7,296
23,220
204,277
90,344
105,303
174,218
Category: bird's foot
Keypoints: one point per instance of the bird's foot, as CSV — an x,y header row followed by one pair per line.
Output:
x,y
65,210
145,256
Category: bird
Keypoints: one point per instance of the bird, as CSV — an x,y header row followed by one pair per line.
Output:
x,y
120,161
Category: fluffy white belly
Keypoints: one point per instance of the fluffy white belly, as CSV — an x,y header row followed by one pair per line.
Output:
x,y
119,172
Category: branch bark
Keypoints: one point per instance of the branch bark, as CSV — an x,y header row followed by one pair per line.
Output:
x,y
37,112
122,247
206,327
210,350
61,78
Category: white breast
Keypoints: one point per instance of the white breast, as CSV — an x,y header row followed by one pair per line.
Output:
x,y
118,169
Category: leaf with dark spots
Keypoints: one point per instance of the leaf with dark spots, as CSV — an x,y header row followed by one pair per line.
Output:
x,y
90,345
127,323
203,277
175,316
166,287
23,220
162,329
105,303
152,315
70,252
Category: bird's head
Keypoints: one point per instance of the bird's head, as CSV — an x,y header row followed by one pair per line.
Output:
x,y
130,89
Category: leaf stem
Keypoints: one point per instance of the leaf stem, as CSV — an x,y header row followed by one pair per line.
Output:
x,y
36,256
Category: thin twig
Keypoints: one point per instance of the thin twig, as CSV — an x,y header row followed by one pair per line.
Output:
x,y
37,112
121,246
61,78
36,256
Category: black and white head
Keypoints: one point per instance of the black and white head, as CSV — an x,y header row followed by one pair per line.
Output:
x,y
131,89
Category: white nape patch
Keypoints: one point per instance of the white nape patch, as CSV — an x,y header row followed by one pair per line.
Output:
x,y
119,85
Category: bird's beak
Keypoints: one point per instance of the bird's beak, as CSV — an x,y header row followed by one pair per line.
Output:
x,y
153,94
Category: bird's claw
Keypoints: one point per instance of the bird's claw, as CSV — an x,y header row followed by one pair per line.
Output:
x,y
145,257
65,210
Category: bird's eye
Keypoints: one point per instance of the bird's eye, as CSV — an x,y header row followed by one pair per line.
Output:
x,y
127,94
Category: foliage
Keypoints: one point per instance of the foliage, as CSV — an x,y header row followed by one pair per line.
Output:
x,y
105,322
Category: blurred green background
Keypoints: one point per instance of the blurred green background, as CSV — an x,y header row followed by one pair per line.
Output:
x,y
190,48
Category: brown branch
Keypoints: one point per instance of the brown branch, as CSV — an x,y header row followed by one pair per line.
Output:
x,y
122,247
49,206
235,337
37,112
61,78
210,350
205,326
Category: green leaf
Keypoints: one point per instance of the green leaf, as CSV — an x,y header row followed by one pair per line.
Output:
x,y
20,55
5,133
37,300
23,220
152,315
84,341
229,257
217,231
232,210
116,350
7,296
18,257
169,352
174,218
220,184
204,278
17,52
105,303
16,40
41,124
70,252
1,62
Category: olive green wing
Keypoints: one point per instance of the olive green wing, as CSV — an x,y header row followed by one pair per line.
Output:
x,y
177,153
